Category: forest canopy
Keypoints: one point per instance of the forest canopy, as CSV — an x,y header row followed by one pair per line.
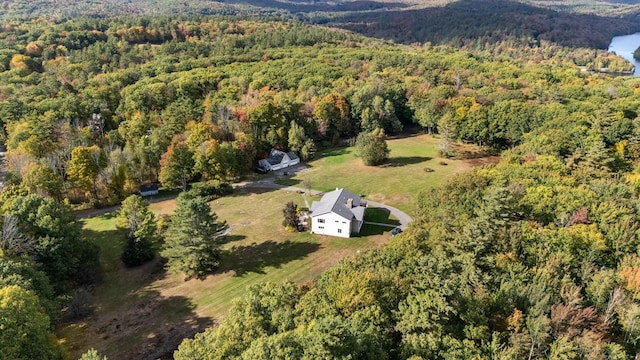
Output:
x,y
533,256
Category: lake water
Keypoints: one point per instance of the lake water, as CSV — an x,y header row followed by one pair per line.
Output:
x,y
625,46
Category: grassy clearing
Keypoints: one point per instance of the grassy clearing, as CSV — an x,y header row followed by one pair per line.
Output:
x,y
145,308
261,250
394,183
145,312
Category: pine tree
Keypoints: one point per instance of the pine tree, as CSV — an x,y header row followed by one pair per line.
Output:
x,y
192,238
597,155
140,224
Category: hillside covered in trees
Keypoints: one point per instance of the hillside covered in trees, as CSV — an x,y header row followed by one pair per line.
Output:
x,y
534,257
478,23
582,23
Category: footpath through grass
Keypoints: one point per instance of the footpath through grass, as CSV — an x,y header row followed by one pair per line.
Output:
x,y
413,166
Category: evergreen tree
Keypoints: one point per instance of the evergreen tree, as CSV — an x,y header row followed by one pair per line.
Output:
x,y
597,155
192,238
139,223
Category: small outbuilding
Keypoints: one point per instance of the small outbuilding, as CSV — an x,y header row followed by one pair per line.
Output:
x,y
338,213
149,190
279,160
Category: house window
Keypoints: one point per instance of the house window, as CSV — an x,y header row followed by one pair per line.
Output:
x,y
320,227
339,231
321,221
337,221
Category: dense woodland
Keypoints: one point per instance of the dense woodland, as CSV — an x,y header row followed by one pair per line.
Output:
x,y
582,23
476,23
536,257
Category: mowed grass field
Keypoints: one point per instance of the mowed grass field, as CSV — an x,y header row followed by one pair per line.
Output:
x,y
145,308
395,183
146,312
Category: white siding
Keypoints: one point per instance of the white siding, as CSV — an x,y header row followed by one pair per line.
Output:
x,y
285,162
333,225
265,164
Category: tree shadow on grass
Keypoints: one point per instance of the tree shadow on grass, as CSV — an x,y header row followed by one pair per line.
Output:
x,y
370,230
374,216
256,257
231,238
110,243
379,215
461,154
105,213
243,191
289,181
334,152
406,160
153,326
132,319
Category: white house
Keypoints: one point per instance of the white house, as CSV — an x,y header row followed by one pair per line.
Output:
x,y
278,160
338,213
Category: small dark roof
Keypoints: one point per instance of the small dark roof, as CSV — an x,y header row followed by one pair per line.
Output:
x,y
275,157
149,187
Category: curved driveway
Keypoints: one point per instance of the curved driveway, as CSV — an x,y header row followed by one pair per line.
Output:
x,y
269,183
401,216
266,183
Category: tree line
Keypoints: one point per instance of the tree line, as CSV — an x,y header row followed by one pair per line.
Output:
x,y
533,258
92,109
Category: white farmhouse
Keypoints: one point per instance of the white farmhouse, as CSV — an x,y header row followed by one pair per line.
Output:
x,y
338,213
278,160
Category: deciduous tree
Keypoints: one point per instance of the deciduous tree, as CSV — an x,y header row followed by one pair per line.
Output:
x,y
372,147
176,166
84,167
25,327
290,215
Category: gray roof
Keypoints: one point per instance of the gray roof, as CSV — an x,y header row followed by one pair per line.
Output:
x,y
336,201
292,155
275,157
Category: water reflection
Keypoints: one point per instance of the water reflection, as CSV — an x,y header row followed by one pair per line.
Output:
x,y
625,46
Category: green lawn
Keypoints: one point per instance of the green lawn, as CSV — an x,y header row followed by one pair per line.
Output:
x,y
143,312
394,183
143,307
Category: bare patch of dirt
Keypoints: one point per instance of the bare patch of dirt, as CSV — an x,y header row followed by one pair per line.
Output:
x,y
149,324
471,163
